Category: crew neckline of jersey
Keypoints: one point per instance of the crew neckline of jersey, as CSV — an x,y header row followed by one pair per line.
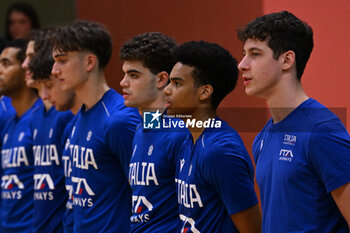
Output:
x,y
105,95
290,115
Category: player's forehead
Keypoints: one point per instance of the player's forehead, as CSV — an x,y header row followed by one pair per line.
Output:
x,y
30,47
135,66
181,71
9,54
254,44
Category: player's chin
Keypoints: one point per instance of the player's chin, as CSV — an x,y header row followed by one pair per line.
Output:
x,y
129,103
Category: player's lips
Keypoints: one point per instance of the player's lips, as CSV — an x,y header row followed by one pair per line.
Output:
x,y
126,94
246,80
167,103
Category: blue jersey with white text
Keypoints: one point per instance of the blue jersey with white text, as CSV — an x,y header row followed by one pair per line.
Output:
x,y
101,147
151,176
68,218
299,161
50,195
215,180
17,173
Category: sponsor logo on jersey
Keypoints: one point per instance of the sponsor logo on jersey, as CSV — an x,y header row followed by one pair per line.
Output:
x,y
182,163
188,224
82,188
11,187
286,155
289,139
88,136
150,150
140,205
43,184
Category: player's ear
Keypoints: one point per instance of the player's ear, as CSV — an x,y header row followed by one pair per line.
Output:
x,y
205,92
162,79
91,62
288,60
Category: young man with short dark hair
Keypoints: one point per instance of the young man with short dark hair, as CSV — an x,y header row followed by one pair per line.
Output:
x,y
16,151
302,154
147,62
48,127
215,179
101,139
41,67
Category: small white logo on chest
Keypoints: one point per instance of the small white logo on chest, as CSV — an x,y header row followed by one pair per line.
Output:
x,y
150,150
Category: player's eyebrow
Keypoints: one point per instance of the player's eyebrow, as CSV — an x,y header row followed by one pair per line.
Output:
x,y
5,59
133,71
176,79
57,55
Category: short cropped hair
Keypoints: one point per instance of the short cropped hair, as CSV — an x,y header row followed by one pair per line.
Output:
x,y
85,35
212,65
20,44
154,49
282,31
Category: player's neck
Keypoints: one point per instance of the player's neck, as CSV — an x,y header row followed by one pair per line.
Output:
x,y
285,99
47,105
91,91
201,114
157,104
76,105
23,99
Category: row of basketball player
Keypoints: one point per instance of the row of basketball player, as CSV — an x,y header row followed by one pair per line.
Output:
x,y
83,158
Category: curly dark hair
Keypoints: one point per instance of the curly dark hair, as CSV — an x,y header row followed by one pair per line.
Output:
x,y
20,44
212,65
154,49
283,31
24,8
85,35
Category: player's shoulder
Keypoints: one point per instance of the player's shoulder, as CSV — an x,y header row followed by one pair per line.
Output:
x,y
222,141
315,113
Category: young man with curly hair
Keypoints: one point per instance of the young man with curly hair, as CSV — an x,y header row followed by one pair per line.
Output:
x,y
302,155
215,179
147,62
101,138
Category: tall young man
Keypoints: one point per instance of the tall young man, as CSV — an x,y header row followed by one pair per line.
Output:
x,y
16,151
215,179
147,63
47,126
302,154
101,138
41,67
